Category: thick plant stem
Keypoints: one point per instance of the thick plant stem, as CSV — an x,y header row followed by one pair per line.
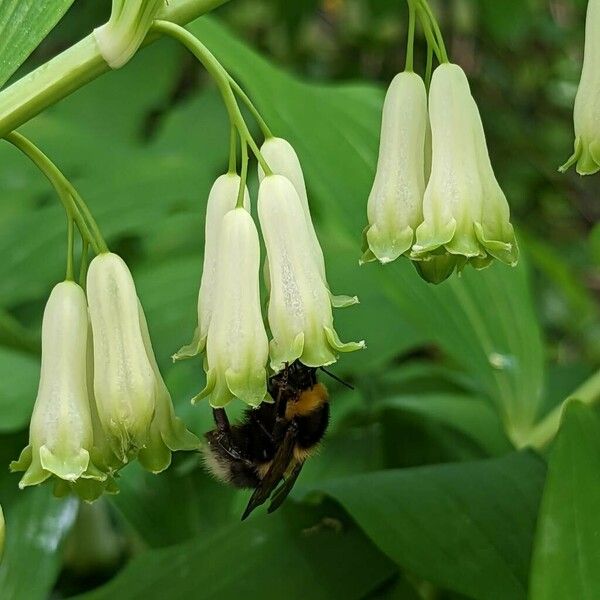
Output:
x,y
75,67
543,433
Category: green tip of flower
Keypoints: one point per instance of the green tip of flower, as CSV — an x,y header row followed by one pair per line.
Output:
x,y
437,268
343,301
195,347
339,346
586,157
65,465
386,244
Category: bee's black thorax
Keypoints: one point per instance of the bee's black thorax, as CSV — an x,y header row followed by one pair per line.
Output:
x,y
244,454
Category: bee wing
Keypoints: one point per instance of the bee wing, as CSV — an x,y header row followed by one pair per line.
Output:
x,y
281,493
275,473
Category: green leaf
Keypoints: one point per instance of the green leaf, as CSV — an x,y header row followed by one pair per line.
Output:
x,y
36,527
483,320
294,554
466,527
23,25
19,374
566,560
469,420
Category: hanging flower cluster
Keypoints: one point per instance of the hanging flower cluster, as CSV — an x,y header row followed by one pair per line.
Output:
x,y
586,116
238,356
101,399
435,198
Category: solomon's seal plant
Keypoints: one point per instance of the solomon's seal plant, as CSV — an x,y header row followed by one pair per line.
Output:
x,y
437,200
586,116
102,401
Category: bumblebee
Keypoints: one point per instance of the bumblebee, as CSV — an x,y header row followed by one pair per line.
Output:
x,y
269,447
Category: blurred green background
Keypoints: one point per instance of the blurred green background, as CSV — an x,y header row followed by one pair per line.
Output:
x,y
417,491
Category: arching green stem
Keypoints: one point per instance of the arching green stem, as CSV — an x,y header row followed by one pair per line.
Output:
x,y
410,42
246,100
67,194
436,30
243,174
70,276
429,66
84,263
221,77
429,34
233,150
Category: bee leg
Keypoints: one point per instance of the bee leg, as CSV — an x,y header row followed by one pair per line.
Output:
x,y
222,435
221,420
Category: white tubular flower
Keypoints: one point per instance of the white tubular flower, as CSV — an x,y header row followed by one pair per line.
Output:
x,y
237,346
221,199
465,212
283,160
586,115
60,434
395,205
300,314
167,432
129,22
124,382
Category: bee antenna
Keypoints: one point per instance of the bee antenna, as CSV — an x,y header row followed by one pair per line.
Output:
x,y
338,379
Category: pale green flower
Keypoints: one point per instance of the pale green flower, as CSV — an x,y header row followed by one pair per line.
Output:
x,y
300,314
586,115
124,382
221,199
465,212
167,432
283,160
60,433
129,22
395,205
236,345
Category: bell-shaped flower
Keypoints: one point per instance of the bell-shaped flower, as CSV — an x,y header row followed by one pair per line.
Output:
x,y
236,345
221,199
124,382
167,432
300,314
395,205
283,160
465,213
60,433
586,116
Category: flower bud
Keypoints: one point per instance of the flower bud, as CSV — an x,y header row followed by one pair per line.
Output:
x,y
124,383
221,199
300,316
236,345
465,212
60,433
167,432
395,205
586,115
283,160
